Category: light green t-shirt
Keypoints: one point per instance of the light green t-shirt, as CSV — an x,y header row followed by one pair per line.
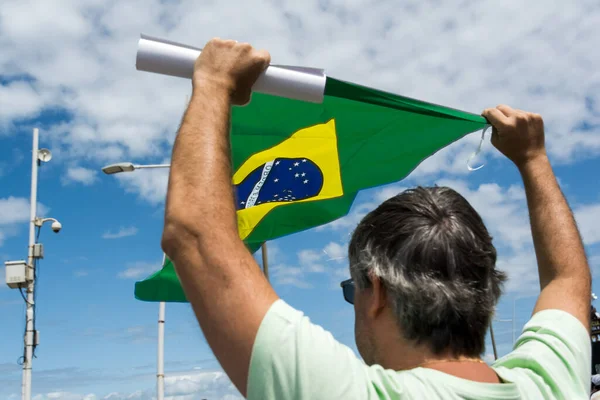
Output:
x,y
295,359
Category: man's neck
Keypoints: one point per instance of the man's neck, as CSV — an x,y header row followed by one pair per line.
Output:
x,y
471,368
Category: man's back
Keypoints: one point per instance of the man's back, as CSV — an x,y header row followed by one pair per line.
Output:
x,y
424,282
294,359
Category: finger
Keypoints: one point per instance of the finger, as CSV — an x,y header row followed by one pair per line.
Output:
x,y
496,117
264,57
507,110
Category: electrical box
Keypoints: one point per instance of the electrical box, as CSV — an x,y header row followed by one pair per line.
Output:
x,y
38,250
36,338
16,273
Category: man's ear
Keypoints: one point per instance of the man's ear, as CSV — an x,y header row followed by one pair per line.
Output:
x,y
378,298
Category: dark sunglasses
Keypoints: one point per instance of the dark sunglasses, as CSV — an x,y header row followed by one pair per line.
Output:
x,y
348,290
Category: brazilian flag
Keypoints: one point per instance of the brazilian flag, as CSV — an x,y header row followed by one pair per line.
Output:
x,y
299,165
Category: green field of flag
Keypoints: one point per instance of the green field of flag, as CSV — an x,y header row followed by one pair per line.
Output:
x,y
299,165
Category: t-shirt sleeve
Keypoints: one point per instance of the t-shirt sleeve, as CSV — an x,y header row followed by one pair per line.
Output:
x,y
295,359
554,350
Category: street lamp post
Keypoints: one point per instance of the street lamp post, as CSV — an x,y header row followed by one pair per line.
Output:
x,y
34,252
160,358
160,375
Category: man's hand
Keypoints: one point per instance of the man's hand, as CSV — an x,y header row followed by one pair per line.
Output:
x,y
563,270
232,65
519,135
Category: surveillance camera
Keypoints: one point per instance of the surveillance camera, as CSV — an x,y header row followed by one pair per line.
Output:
x,y
56,226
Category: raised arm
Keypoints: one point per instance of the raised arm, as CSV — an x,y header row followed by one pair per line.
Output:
x,y
563,269
229,294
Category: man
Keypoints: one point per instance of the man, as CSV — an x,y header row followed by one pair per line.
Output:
x,y
424,284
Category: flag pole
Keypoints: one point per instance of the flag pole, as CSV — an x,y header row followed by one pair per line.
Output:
x,y
265,260
493,341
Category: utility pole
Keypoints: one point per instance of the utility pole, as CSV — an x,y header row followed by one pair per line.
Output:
x,y
34,252
30,313
265,261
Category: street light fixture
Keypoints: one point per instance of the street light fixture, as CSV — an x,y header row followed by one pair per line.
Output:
x,y
129,167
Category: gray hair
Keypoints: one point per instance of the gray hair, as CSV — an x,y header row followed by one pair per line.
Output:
x,y
436,260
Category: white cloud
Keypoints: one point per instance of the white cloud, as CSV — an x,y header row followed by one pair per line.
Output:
x,y
197,383
327,262
336,252
522,271
151,184
138,270
210,384
121,233
588,220
14,211
309,259
65,396
19,99
283,274
80,60
82,175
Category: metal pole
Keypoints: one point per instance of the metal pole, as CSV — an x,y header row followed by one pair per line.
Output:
x,y
265,260
493,342
513,321
29,328
152,166
160,365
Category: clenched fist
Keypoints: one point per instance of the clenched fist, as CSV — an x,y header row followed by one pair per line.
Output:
x,y
231,65
519,135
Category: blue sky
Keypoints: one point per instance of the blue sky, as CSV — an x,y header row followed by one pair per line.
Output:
x,y
68,69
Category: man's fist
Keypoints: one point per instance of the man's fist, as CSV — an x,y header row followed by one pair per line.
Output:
x,y
231,65
519,135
